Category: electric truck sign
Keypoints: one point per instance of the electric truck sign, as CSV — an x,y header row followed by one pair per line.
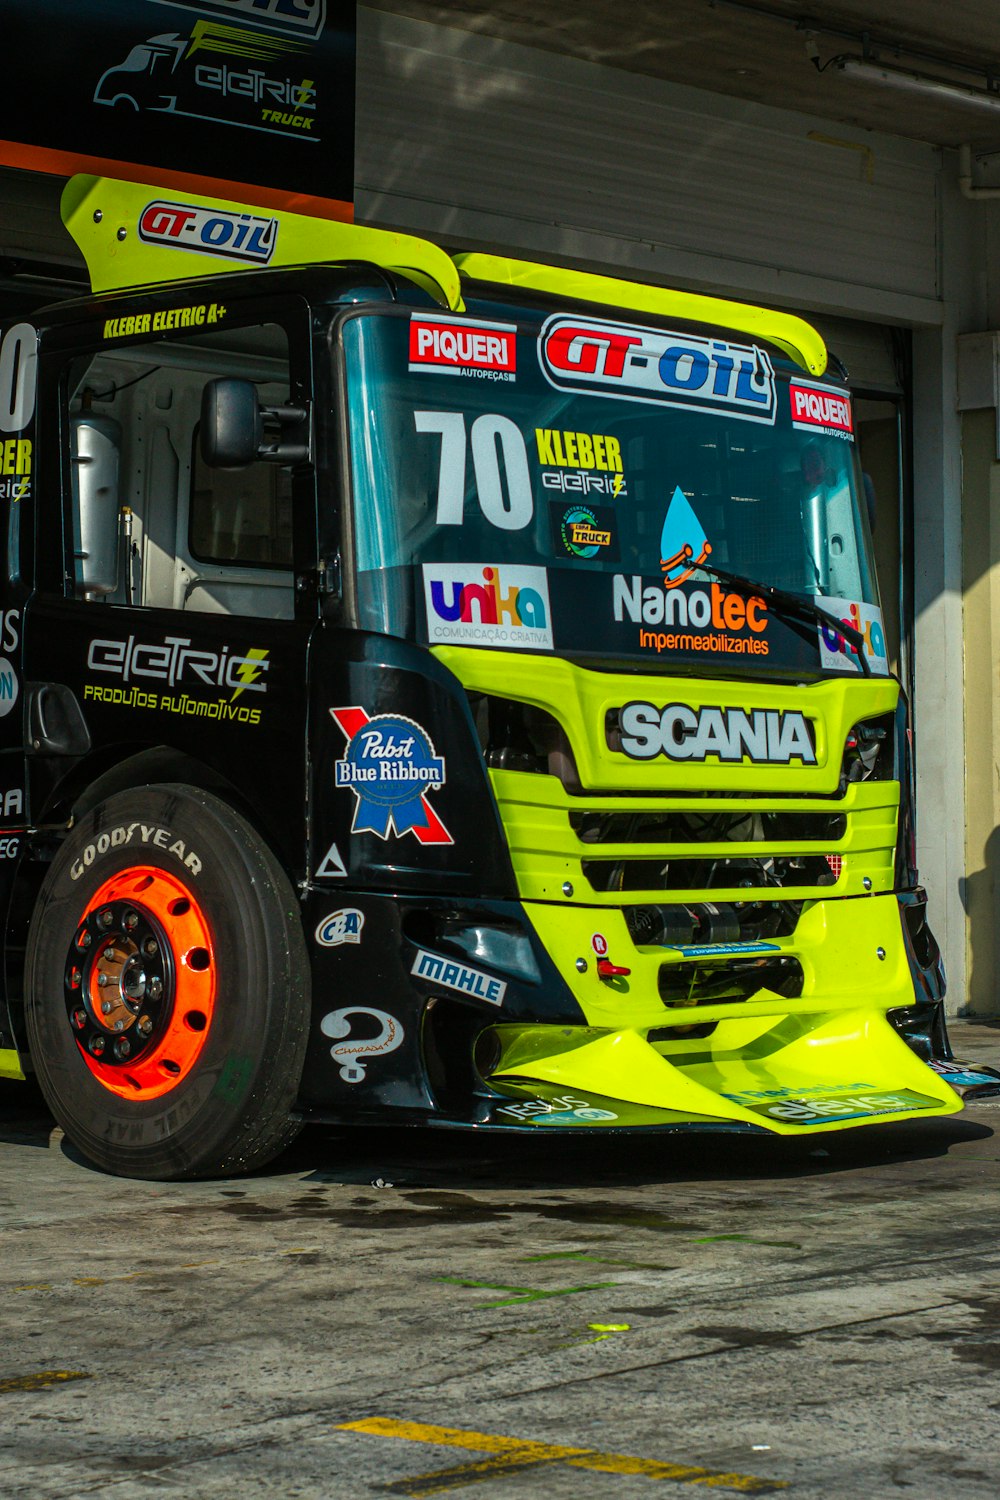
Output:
x,y
209,231
649,364
764,736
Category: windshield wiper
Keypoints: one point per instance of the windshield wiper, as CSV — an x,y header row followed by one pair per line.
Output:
x,y
791,604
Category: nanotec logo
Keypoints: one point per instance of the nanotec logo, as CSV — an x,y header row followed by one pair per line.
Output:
x,y
486,604
209,231
481,350
648,364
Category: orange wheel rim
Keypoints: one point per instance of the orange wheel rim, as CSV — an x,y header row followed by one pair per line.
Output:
x,y
140,983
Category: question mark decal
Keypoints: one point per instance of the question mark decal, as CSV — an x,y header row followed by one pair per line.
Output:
x,y
348,1055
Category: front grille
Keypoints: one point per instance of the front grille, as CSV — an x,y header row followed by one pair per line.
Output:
x,y
729,981
670,843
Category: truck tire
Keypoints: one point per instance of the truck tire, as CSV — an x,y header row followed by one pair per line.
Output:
x,y
167,988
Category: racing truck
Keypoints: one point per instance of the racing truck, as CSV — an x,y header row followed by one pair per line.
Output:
x,y
439,688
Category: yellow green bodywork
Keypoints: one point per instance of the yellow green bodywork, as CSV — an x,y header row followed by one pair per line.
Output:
x,y
826,1059
102,214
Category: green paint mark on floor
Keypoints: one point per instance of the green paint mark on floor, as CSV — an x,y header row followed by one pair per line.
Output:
x,y
521,1293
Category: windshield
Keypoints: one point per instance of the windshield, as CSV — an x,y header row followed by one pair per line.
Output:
x,y
557,485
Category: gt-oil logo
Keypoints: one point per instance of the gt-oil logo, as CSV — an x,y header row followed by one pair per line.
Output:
x,y
649,364
209,231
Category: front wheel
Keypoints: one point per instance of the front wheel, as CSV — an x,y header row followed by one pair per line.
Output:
x,y
167,988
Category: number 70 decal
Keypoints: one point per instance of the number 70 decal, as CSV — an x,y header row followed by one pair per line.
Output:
x,y
505,498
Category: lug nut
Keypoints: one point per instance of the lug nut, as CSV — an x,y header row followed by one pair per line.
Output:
x,y
74,979
106,918
109,954
96,1045
119,1025
123,1047
150,947
102,980
79,1019
84,940
105,1005
144,1025
154,989
132,921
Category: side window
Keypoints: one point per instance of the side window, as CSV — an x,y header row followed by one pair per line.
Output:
x,y
151,524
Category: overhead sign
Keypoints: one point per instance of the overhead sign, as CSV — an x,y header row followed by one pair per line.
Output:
x,y
242,91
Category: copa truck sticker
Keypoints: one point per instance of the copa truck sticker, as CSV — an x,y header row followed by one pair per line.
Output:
x,y
390,766
586,530
764,736
821,408
836,651
648,364
246,237
461,977
489,604
485,351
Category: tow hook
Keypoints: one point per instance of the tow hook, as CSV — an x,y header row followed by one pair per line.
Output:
x,y
607,970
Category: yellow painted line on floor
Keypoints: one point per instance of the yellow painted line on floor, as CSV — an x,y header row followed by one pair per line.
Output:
x,y
40,1380
515,1453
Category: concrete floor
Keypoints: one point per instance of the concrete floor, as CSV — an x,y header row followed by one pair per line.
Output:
x,y
417,1313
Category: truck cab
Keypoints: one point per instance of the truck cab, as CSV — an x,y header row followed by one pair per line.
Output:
x,y
441,689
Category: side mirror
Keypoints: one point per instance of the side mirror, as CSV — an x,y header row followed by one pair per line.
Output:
x,y
232,429
236,430
870,501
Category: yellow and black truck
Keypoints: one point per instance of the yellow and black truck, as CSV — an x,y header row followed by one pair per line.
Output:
x,y
440,688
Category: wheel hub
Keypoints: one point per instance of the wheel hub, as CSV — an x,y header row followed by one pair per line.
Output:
x,y
117,977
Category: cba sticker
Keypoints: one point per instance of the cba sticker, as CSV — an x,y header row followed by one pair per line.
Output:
x,y
342,926
390,766
348,1055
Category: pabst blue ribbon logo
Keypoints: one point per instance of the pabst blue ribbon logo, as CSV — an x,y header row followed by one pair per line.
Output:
x,y
650,364
209,231
390,766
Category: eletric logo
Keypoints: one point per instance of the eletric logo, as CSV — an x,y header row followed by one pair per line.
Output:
x,y
648,364
209,231
487,605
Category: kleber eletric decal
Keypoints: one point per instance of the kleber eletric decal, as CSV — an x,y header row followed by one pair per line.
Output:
x,y
485,351
821,408
768,737
163,320
458,976
390,766
488,604
648,364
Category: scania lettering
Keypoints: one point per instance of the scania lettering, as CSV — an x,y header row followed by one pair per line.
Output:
x,y
439,688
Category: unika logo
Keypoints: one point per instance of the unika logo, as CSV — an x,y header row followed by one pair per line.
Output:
x,y
649,364
836,651
487,604
764,736
683,543
209,231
